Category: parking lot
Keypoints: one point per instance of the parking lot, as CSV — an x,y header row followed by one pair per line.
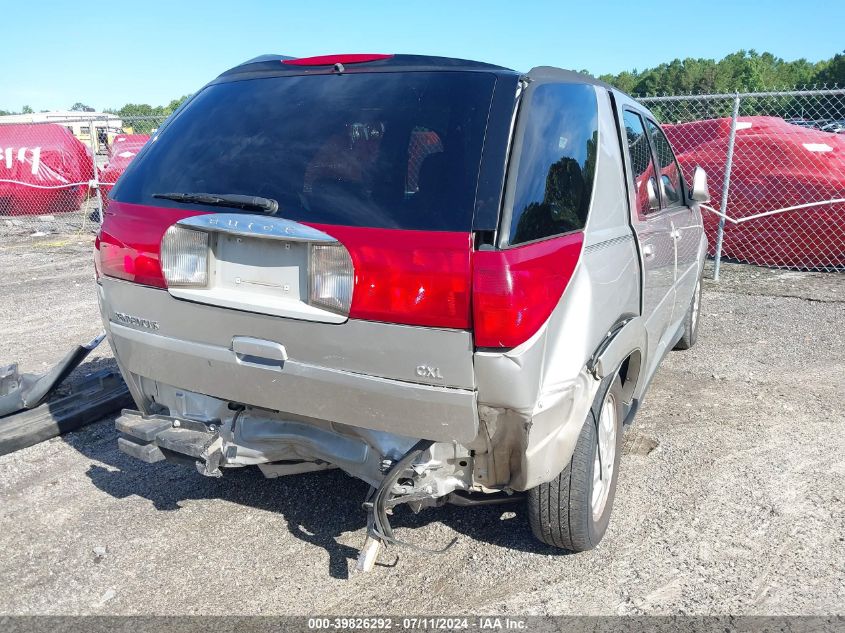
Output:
x,y
731,496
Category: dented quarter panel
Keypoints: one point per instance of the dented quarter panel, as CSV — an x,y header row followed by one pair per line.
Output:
x,y
542,388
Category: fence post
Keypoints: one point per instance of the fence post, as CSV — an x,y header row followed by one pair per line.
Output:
x,y
95,181
726,183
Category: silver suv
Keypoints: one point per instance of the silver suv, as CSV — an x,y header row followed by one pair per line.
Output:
x,y
449,279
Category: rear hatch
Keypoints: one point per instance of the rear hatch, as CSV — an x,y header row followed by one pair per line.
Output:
x,y
360,262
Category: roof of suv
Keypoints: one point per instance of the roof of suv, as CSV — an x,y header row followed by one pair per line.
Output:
x,y
275,64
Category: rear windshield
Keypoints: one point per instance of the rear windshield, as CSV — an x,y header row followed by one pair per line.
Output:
x,y
387,150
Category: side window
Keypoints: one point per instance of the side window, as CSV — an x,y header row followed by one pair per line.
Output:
x,y
557,163
641,161
670,175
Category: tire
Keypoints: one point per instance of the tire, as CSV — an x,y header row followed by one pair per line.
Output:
x,y
561,512
692,319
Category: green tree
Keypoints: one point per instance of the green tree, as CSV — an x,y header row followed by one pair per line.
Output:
x,y
26,110
834,71
743,71
174,105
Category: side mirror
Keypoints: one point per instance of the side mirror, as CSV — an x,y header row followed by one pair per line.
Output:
x,y
653,202
700,192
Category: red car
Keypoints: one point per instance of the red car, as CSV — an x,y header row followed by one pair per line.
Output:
x,y
121,152
44,169
776,165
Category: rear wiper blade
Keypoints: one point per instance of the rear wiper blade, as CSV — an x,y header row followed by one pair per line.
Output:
x,y
238,201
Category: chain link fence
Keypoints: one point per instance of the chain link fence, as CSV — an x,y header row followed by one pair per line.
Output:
x,y
55,170
775,163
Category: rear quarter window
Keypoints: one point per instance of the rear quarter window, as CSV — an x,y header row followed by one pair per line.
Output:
x,y
557,163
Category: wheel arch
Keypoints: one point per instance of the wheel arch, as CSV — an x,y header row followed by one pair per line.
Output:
x,y
622,352
629,374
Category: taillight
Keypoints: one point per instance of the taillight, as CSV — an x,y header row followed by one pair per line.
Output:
x,y
515,290
130,239
408,277
128,262
330,278
98,272
184,257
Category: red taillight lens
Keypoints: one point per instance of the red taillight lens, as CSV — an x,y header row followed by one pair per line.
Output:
x,y
408,277
331,60
130,240
127,262
514,291
97,268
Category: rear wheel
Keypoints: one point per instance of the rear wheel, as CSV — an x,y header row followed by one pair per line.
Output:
x,y
573,510
691,320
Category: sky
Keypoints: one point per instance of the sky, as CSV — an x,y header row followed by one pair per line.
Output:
x,y
151,51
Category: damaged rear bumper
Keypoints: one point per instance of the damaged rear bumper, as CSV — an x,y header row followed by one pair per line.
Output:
x,y
382,404
501,427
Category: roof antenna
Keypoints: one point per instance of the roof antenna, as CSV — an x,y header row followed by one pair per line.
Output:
x,y
338,68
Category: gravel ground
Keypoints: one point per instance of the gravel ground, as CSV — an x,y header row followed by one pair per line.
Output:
x,y
730,498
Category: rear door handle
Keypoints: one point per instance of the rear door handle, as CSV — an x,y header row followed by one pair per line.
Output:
x,y
258,352
648,251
